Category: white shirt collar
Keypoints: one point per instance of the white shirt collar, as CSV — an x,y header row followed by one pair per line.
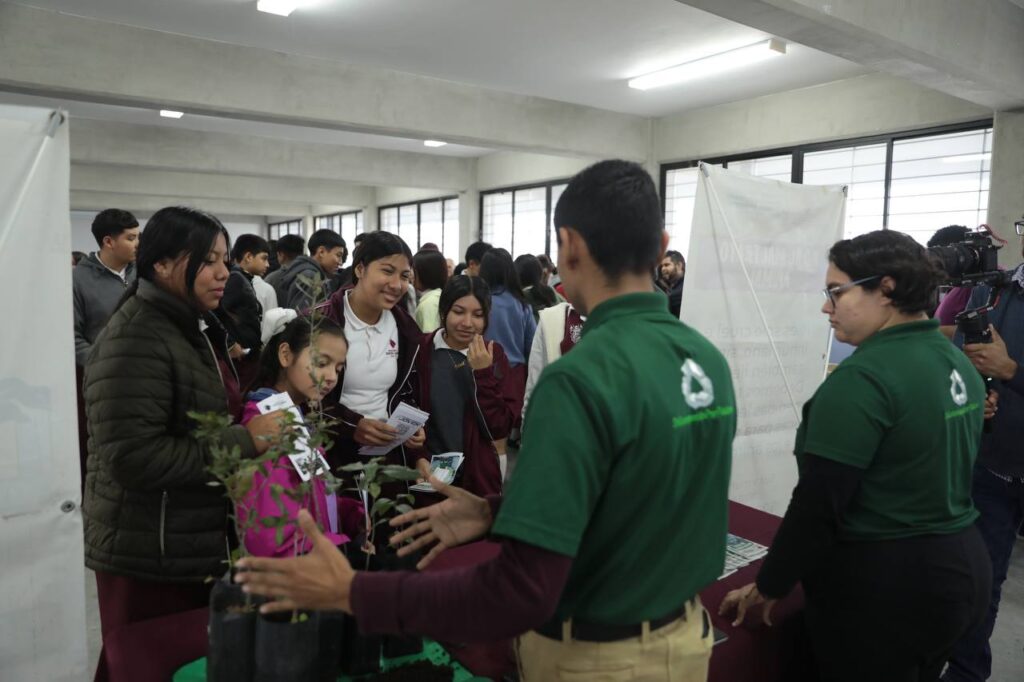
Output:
x,y
353,322
441,344
120,274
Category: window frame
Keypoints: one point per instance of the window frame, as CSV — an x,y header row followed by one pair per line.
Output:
x,y
548,210
419,216
798,152
271,226
339,215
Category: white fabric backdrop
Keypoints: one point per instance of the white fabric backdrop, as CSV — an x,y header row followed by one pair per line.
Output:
x,y
780,233
42,599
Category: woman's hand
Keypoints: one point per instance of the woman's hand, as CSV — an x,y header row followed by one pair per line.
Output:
x,y
423,466
417,439
480,355
374,432
266,429
742,600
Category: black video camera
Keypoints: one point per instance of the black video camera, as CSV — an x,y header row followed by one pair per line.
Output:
x,y
970,262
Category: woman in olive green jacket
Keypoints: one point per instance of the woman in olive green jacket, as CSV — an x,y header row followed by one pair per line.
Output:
x,y
154,529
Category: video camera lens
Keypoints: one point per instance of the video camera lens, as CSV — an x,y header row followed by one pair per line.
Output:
x,y
976,255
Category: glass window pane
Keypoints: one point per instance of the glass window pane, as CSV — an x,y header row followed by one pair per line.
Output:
x,y
680,198
497,219
556,193
431,229
773,167
408,227
939,180
351,225
862,170
389,220
451,247
530,221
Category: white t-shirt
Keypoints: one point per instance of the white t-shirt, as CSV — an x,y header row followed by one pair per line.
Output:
x,y
372,363
265,293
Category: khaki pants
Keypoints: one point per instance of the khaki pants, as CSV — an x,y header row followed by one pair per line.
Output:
x,y
677,652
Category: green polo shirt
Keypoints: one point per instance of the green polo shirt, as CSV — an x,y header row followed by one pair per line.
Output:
x,y
907,407
625,464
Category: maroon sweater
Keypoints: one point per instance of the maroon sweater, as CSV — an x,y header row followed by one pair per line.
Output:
x,y
489,416
405,389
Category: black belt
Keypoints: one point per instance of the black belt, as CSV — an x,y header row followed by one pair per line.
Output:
x,y
598,632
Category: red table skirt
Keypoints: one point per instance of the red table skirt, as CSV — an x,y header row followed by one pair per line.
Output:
x,y
752,652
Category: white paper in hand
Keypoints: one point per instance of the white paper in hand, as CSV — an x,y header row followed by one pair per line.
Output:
x,y
443,467
301,459
407,420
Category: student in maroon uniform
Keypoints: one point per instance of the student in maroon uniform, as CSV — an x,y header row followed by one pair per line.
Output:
x,y
465,385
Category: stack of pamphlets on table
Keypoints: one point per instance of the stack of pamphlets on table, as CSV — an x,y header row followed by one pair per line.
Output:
x,y
739,553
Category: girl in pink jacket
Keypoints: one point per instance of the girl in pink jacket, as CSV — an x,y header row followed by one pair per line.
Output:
x,y
289,365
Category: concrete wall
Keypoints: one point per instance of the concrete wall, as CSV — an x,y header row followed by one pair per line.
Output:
x,y
404,195
504,169
1006,190
855,107
82,239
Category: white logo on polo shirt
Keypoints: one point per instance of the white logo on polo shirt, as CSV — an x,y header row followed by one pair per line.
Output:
x,y
957,388
692,372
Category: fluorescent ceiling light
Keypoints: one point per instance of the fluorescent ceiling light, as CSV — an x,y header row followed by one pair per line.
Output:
x,y
281,8
167,113
966,158
433,143
708,66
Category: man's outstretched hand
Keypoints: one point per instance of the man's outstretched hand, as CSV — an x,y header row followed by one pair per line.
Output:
x,y
462,517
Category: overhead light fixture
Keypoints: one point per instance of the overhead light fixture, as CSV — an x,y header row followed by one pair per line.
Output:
x,y
708,66
167,113
433,143
281,8
967,158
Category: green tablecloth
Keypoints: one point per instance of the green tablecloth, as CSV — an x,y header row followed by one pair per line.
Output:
x,y
432,651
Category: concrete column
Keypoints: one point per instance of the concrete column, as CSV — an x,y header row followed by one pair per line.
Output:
x,y
370,214
308,224
1006,187
469,219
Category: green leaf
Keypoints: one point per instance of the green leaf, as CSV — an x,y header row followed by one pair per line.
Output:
x,y
399,473
381,507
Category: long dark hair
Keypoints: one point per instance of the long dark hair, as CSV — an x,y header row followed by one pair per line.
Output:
x,y
297,334
377,245
498,270
171,232
431,269
464,285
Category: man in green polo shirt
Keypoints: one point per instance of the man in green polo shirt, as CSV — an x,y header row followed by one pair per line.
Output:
x,y
615,518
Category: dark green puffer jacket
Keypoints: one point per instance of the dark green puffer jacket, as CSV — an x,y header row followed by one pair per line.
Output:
x,y
148,510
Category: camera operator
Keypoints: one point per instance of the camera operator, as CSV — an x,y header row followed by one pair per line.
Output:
x,y
998,485
954,300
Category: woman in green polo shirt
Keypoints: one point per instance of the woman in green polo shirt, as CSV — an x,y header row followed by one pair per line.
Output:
x,y
880,529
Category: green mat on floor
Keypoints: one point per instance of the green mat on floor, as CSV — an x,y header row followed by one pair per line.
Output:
x,y
432,651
